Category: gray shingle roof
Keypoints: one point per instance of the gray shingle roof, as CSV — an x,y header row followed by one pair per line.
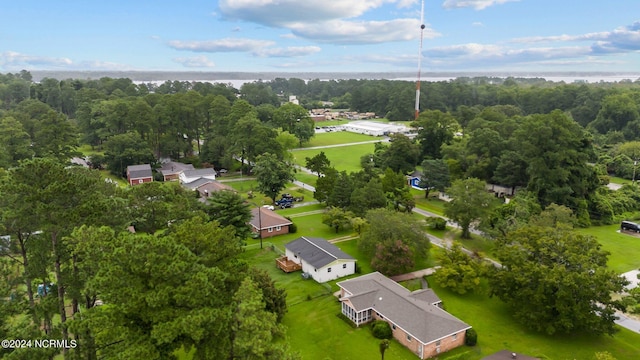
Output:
x,y
413,312
139,171
174,167
199,172
267,218
317,252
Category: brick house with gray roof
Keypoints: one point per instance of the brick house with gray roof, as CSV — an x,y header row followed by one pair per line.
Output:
x,y
268,222
416,318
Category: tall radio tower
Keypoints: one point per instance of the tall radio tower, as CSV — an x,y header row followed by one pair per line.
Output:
x,y
419,61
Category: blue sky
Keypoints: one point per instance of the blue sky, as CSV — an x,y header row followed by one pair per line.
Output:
x,y
320,35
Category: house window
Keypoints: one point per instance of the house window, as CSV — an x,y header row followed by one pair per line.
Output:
x,y
438,343
344,266
393,326
278,228
329,270
140,181
455,336
408,337
295,256
270,229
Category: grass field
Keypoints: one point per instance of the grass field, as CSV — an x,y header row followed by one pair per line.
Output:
x,y
306,178
345,158
339,137
624,248
497,331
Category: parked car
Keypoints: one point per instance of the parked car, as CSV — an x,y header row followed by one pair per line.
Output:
x,y
629,226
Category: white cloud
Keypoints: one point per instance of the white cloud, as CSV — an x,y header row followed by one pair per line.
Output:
x,y
195,62
292,51
485,56
362,32
279,13
476,4
326,21
477,24
620,40
12,59
221,45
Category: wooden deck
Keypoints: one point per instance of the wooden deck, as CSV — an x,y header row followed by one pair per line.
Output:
x,y
287,265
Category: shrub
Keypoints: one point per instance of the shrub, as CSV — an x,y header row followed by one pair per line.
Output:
x,y
436,223
381,329
293,228
471,337
347,320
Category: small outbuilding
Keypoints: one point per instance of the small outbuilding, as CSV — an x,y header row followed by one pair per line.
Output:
x,y
139,174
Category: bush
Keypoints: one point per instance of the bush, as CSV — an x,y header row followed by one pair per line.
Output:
x,y
293,228
381,329
436,223
471,337
347,320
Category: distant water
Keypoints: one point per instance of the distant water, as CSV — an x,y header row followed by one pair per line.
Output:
x,y
236,79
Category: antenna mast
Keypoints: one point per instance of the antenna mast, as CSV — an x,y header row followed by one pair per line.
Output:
x,y
419,61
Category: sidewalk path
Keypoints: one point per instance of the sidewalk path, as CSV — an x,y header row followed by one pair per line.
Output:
x,y
386,139
415,274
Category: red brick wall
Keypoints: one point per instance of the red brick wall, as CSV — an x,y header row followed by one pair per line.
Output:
x,y
446,344
283,230
134,182
430,350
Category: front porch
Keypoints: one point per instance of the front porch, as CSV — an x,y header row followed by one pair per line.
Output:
x,y
287,265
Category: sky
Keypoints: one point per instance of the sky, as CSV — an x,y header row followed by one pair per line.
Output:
x,y
320,35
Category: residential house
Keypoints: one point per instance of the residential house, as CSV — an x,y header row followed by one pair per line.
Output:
x,y
206,187
413,180
268,223
416,318
171,170
188,176
319,258
139,174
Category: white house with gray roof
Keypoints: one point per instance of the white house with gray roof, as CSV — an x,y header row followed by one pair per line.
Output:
x,y
188,176
320,259
416,318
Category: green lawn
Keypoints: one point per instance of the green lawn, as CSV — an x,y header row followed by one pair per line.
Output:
x,y
497,331
619,180
120,181
433,204
298,289
306,178
87,150
345,158
624,248
339,137
318,334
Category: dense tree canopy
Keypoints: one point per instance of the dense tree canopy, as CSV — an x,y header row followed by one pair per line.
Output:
x,y
557,281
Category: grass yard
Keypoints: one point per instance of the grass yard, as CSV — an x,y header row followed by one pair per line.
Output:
x,y
433,205
87,150
345,158
497,331
118,180
339,137
619,180
298,289
317,333
624,248
306,178
308,225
